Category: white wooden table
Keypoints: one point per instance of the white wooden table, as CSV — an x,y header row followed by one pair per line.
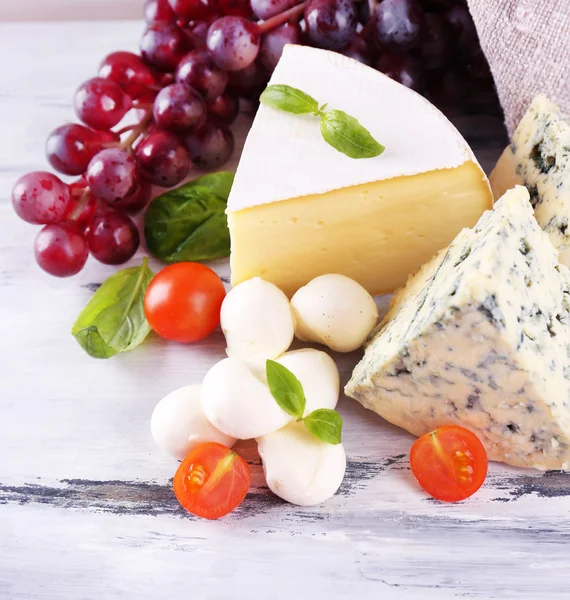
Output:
x,y
86,508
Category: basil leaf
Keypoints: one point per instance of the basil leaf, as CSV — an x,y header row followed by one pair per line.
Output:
x,y
285,388
217,183
189,223
289,99
347,135
325,424
113,320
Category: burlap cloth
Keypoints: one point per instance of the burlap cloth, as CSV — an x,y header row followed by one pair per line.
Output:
x,y
527,44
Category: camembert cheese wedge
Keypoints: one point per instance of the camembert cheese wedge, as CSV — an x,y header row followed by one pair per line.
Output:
x,y
480,337
299,208
539,158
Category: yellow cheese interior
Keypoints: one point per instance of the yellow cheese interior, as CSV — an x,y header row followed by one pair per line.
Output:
x,y
377,233
504,176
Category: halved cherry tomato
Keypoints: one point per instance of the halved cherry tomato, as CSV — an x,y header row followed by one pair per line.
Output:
x,y
211,481
182,303
450,463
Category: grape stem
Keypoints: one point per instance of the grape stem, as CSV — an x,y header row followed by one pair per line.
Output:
x,y
81,204
143,105
137,131
77,192
287,15
125,129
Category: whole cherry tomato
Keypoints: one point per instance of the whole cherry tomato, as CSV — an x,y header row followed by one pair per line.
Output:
x,y
450,463
182,303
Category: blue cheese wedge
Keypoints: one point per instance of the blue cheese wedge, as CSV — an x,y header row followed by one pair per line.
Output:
x,y
539,158
480,337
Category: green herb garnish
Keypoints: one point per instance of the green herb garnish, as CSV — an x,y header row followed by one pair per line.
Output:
x,y
190,223
323,423
113,320
343,132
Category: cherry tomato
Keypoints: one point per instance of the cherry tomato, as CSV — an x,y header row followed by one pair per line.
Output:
x,y
450,463
211,481
182,303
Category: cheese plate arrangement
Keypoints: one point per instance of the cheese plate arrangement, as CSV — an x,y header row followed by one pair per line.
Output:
x,y
358,222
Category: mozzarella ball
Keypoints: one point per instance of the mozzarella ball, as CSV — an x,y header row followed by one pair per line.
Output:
x,y
257,319
178,423
299,467
237,401
334,310
318,375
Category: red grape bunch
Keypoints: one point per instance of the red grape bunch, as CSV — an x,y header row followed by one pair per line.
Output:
x,y
197,59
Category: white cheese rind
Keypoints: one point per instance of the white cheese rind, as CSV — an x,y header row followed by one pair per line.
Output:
x,y
539,158
481,338
286,157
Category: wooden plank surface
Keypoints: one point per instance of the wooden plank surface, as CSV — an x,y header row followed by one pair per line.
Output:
x,y
86,509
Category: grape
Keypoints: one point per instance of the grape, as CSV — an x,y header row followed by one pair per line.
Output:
x,y
463,32
112,175
61,249
249,82
435,48
211,146
225,108
198,70
196,32
404,70
233,42
109,137
400,24
438,5
331,24
162,159
41,198
236,8
363,9
70,148
179,108
83,207
368,34
274,41
163,45
101,103
358,49
191,10
129,72
113,238
265,9
136,201
450,89
158,11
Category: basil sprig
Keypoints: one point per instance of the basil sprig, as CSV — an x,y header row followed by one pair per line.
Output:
x,y
189,223
289,99
324,423
343,132
113,320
